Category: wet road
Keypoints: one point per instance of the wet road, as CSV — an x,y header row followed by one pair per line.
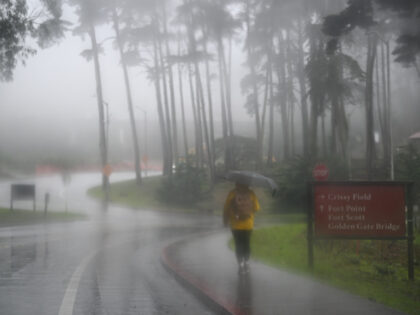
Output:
x,y
109,264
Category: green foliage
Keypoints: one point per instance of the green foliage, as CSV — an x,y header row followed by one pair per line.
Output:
x,y
14,28
291,178
185,187
293,175
16,25
373,269
24,217
244,151
407,167
361,13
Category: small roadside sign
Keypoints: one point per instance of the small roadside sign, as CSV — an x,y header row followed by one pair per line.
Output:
x,y
361,210
320,172
22,192
107,170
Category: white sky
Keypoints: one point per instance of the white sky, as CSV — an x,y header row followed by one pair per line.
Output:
x,y
57,83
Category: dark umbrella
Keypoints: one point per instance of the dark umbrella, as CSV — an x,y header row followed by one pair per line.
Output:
x,y
252,179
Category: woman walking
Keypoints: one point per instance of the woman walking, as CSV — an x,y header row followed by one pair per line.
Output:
x,y
240,207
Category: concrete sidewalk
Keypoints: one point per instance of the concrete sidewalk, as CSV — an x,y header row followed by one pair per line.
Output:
x,y
208,267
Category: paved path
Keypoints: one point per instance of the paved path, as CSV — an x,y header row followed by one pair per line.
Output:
x,y
208,267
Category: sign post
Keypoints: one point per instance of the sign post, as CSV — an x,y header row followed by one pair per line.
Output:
x,y
310,229
361,210
410,234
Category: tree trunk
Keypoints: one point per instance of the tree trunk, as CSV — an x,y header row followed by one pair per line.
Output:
x,y
324,136
343,130
379,110
161,115
370,140
199,118
166,107
334,122
302,88
137,164
251,66
210,102
282,80
226,143
204,115
333,93
171,90
228,91
292,128
181,95
291,94
228,102
265,105
197,136
103,145
271,118
317,95
388,103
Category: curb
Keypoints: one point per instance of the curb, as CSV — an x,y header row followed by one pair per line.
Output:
x,y
198,287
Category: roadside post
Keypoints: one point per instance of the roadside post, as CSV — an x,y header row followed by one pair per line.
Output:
x,y
356,210
22,192
310,231
410,232
319,173
107,171
66,178
46,202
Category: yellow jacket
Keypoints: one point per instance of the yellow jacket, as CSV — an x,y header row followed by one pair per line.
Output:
x,y
230,217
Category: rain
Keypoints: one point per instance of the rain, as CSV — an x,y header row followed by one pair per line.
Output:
x,y
209,156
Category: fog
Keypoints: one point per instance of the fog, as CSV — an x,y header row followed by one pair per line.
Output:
x,y
50,107
139,137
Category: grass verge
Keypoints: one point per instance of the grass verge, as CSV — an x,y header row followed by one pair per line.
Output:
x,y
376,270
146,196
25,217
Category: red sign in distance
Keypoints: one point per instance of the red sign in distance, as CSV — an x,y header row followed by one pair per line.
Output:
x,y
359,210
320,172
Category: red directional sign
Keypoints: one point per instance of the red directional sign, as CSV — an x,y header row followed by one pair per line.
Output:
x,y
371,210
320,172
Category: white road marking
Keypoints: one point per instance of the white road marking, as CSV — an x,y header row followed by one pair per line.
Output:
x,y
70,296
69,299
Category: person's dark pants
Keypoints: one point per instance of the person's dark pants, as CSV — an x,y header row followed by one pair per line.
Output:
x,y
242,244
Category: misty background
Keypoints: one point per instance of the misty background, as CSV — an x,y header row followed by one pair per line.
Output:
x,y
49,110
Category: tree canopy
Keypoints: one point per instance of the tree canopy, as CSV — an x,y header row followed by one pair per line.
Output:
x,y
404,16
17,23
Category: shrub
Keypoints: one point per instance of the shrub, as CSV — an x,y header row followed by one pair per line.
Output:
x,y
407,167
293,175
185,187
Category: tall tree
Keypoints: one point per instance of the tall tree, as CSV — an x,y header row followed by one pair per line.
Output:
x,y
181,95
249,12
121,45
219,25
90,13
168,66
370,140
